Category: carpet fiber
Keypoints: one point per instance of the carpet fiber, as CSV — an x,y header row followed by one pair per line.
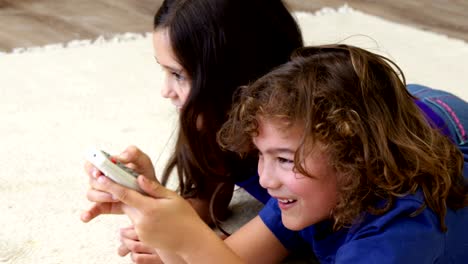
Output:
x,y
59,99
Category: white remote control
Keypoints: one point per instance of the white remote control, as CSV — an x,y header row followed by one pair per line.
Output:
x,y
113,169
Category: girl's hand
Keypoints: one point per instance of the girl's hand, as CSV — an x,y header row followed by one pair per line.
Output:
x,y
162,220
137,160
104,202
140,253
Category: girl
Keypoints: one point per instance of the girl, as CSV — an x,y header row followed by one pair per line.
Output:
x,y
207,49
352,165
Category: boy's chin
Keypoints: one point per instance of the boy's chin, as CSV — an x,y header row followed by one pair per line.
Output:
x,y
293,224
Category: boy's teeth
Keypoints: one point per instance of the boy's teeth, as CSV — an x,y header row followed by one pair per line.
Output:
x,y
286,200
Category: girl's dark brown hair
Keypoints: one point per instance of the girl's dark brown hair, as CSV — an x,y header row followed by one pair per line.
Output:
x,y
355,103
222,44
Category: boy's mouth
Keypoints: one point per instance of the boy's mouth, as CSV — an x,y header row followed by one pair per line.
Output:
x,y
286,201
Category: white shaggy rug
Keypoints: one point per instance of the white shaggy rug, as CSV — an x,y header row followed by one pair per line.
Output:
x,y
55,101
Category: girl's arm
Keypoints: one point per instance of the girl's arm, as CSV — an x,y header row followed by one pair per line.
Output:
x,y
255,243
164,220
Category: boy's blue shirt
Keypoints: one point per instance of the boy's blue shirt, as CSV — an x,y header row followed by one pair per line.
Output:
x,y
394,237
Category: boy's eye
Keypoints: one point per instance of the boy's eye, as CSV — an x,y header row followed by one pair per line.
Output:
x,y
283,160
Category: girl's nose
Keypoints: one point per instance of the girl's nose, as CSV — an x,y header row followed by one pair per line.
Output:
x,y
167,91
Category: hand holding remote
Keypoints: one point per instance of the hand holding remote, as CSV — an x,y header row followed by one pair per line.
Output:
x,y
104,203
113,169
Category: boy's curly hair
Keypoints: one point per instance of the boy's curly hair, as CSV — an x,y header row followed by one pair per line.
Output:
x,y
356,104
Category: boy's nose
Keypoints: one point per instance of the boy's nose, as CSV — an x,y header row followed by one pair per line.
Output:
x,y
268,180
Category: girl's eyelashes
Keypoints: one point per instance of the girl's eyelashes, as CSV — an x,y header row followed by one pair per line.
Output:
x,y
179,77
177,74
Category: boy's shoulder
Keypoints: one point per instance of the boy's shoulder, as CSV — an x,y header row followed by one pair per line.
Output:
x,y
403,235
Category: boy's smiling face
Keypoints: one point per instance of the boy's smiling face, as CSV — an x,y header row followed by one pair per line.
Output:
x,y
303,200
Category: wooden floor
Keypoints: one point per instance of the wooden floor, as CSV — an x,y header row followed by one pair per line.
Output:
x,y
27,23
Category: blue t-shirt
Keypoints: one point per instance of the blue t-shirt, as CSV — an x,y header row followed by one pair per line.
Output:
x,y
394,237
253,187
